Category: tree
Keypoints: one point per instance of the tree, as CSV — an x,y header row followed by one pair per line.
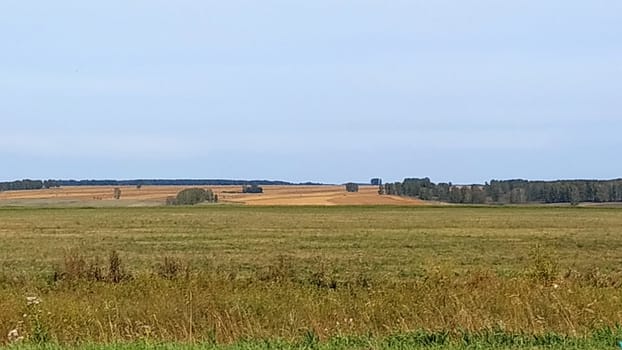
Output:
x,y
518,195
478,195
352,187
575,197
466,194
50,184
117,193
455,195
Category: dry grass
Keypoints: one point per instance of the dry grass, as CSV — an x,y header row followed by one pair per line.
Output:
x,y
226,273
216,308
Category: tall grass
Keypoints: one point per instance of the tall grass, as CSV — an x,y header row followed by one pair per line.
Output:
x,y
368,277
211,306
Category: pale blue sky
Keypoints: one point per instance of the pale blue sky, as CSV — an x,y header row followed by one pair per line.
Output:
x,y
321,90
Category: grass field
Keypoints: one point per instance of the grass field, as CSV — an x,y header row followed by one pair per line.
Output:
x,y
309,277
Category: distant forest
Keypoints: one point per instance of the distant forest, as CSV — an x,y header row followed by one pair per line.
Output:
x,y
39,184
493,192
510,191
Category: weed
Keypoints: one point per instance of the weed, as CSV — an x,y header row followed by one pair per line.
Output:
x,y
544,267
280,271
310,340
33,315
76,267
171,268
320,278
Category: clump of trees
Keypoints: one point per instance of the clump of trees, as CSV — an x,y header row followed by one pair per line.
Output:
x,y
352,187
21,185
510,191
252,189
192,196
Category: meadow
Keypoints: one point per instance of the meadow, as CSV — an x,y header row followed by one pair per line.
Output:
x,y
242,277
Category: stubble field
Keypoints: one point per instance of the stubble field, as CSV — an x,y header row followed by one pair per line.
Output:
x,y
102,196
312,277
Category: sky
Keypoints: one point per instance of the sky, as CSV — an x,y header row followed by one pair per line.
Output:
x,y
323,90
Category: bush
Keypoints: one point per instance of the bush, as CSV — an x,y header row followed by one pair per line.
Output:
x,y
252,189
352,187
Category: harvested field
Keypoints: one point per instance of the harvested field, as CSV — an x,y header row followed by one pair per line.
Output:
x,y
156,195
318,195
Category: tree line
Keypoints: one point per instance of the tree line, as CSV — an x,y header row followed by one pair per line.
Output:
x,y
170,182
39,184
24,185
510,191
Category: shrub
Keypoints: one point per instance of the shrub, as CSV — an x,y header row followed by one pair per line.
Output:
x,y
352,187
252,189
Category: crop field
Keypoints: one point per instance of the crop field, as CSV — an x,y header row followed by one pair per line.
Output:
x,y
311,277
102,196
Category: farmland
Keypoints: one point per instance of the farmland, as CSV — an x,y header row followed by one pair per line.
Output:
x,y
102,196
367,276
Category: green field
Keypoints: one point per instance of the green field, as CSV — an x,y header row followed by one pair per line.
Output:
x,y
309,277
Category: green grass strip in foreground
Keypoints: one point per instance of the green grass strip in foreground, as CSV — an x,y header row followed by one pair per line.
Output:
x,y
606,338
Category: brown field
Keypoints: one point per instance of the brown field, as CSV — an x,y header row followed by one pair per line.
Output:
x,y
328,195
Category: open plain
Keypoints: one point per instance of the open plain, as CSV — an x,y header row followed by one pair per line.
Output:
x,y
311,276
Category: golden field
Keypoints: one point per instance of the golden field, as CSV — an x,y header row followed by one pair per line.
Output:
x,y
325,195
